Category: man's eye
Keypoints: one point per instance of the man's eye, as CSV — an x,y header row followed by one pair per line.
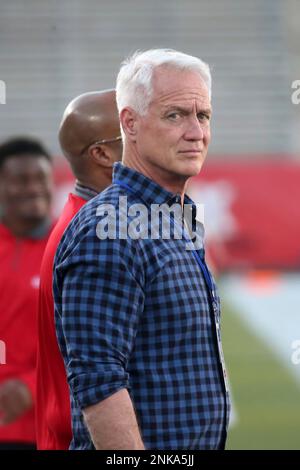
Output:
x,y
203,117
174,116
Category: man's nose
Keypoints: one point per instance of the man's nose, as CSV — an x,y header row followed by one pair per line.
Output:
x,y
195,129
33,187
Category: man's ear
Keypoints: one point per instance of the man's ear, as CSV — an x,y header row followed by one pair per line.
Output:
x,y
129,121
101,155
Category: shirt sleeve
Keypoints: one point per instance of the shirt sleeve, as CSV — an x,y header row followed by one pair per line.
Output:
x,y
101,303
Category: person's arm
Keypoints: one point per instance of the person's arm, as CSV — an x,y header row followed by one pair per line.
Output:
x,y
112,423
15,400
17,396
99,300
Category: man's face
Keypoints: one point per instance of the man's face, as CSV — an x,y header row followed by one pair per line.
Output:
x,y
26,187
173,137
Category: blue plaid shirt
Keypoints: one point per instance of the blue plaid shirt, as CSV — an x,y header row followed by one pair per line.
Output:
x,y
136,314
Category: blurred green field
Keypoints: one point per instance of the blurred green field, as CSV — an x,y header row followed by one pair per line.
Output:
x,y
266,396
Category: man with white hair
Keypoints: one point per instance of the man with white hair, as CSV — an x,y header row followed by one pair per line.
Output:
x,y
137,314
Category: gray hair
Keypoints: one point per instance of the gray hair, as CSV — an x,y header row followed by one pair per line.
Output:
x,y
134,81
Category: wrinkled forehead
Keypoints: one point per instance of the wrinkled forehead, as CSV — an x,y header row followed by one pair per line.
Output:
x,y
171,85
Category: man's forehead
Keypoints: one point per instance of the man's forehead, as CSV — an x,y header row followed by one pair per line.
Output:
x,y
175,86
26,163
185,99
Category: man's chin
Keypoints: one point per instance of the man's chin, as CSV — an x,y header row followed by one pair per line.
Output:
x,y
35,216
34,219
192,170
35,209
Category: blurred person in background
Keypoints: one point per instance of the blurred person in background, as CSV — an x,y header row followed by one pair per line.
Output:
x,y
137,318
90,139
25,200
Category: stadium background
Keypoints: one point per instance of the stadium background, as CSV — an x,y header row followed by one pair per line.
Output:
x,y
52,51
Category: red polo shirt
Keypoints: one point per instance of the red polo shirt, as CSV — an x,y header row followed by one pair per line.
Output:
x,y
19,283
53,416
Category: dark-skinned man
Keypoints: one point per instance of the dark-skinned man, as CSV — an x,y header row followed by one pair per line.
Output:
x,y
90,139
25,197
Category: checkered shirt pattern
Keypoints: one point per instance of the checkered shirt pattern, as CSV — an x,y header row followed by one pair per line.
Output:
x,y
136,314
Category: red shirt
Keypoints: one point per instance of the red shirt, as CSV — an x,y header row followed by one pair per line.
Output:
x,y
19,283
53,416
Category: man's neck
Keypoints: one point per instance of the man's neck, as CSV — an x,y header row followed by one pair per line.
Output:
x,y
95,184
171,183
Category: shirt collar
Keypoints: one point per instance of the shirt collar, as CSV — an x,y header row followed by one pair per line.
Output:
x,y
145,188
152,193
84,192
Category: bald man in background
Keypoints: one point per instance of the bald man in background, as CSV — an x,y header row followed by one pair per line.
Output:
x,y
90,140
